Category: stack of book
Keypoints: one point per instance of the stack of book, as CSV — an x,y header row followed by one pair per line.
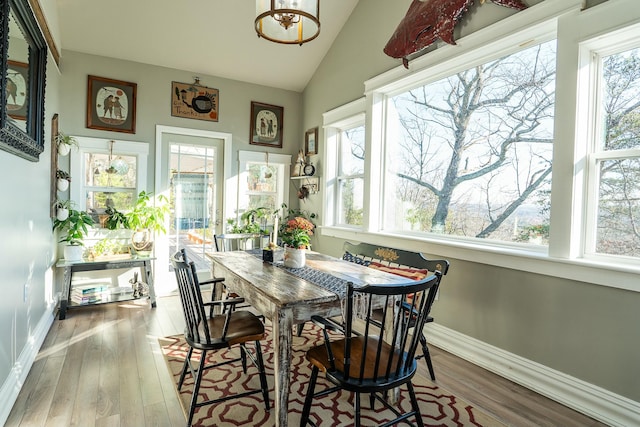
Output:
x,y
90,294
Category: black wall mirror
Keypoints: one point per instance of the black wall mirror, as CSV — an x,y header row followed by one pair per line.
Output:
x,y
24,61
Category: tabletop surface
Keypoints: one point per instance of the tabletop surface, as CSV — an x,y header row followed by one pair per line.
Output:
x,y
284,287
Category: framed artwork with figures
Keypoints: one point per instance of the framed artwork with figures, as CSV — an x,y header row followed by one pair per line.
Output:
x,y
266,124
111,105
16,91
311,142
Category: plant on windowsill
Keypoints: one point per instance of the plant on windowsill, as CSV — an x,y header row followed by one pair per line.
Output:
x,y
250,222
146,218
74,229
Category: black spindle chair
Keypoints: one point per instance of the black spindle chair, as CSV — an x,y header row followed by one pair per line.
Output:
x,y
370,359
214,333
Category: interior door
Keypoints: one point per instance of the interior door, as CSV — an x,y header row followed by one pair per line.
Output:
x,y
191,174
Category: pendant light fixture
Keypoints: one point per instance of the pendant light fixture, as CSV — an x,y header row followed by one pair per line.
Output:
x,y
288,21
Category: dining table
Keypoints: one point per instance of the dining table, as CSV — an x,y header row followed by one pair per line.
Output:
x,y
290,296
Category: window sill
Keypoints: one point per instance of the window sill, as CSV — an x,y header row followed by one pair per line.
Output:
x,y
530,260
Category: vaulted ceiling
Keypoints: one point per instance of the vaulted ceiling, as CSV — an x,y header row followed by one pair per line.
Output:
x,y
213,37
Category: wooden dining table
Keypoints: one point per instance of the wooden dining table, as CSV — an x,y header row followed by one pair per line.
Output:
x,y
287,298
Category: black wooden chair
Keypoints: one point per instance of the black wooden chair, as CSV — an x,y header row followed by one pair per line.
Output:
x,y
398,260
214,281
214,333
371,359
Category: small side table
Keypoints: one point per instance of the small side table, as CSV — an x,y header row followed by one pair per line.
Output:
x,y
70,267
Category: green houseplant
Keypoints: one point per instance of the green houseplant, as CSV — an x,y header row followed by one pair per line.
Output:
x,y
74,229
65,143
146,218
63,180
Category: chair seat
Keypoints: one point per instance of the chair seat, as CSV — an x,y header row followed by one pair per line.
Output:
x,y
244,326
318,357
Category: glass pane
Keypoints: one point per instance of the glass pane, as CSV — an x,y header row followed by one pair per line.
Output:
x,y
351,201
262,178
98,201
621,109
352,151
618,230
470,155
103,170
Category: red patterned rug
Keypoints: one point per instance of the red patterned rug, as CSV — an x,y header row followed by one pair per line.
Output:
x,y
438,407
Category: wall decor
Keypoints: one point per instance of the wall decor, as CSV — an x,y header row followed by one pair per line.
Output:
x,y
17,77
266,124
194,101
19,28
53,191
111,105
427,21
311,141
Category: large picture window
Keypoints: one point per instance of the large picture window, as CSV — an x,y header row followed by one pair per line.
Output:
x,y
470,154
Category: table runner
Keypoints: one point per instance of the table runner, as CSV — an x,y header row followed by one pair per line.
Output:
x,y
325,280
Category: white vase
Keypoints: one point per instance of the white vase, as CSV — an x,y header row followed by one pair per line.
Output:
x,y
73,252
62,214
63,149
62,184
294,258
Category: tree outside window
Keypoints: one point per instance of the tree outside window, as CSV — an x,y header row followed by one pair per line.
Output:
x,y
470,154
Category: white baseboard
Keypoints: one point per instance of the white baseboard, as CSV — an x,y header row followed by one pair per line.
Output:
x,y
591,400
12,385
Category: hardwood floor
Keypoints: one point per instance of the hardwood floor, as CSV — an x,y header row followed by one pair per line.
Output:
x,y
102,367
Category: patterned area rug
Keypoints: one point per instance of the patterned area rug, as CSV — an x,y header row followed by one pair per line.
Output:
x,y
438,407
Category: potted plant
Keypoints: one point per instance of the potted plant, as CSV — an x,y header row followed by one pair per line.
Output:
x,y
63,180
65,142
62,209
146,218
74,228
296,237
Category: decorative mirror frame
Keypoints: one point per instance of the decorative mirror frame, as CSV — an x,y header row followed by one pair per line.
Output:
x,y
27,144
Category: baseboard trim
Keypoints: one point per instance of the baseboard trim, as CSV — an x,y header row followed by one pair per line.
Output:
x,y
596,402
12,385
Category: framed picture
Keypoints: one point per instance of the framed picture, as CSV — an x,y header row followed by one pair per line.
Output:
x,y
266,124
111,105
194,101
16,93
311,142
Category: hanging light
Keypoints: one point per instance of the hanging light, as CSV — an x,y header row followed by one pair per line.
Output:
x,y
288,21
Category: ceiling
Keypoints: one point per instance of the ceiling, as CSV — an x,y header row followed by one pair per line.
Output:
x,y
212,37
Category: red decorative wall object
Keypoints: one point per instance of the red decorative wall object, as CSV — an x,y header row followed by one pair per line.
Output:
x,y
429,20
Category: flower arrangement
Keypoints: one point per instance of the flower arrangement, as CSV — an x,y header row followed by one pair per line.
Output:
x,y
297,233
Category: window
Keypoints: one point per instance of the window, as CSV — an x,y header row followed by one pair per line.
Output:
x,y
346,165
263,181
470,154
107,173
613,224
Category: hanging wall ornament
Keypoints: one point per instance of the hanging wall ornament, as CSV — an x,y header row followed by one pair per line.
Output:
x,y
429,20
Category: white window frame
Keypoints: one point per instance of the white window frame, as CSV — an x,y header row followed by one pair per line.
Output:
x,y
589,87
282,161
565,257
77,189
335,122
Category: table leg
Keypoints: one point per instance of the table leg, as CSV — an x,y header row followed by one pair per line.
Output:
x,y
66,293
282,340
147,271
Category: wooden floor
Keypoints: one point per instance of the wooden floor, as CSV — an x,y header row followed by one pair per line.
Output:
x,y
102,367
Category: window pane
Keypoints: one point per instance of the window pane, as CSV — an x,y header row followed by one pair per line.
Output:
x,y
470,155
618,231
351,201
262,178
110,171
352,151
621,100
